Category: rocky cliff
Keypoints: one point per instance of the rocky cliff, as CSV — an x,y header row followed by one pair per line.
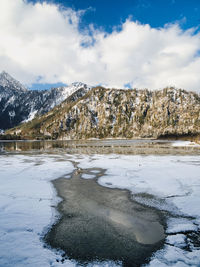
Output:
x,y
112,113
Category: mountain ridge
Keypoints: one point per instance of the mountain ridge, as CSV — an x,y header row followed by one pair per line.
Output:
x,y
79,111
118,113
18,104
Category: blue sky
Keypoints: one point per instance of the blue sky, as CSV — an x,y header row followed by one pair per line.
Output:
x,y
114,43
110,13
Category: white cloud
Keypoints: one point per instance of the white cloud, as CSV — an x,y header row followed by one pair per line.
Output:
x,y
44,40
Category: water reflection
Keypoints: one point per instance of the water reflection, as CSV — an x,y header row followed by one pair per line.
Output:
x,y
139,146
31,145
103,224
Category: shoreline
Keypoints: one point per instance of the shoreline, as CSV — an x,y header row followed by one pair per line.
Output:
x,y
191,138
129,146
174,193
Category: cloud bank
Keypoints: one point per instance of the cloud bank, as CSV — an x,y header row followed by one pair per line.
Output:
x,y
42,43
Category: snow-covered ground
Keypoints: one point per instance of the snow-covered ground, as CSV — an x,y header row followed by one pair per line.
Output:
x,y
185,143
172,184
26,197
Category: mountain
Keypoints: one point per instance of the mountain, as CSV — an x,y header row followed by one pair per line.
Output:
x,y
115,113
7,82
18,104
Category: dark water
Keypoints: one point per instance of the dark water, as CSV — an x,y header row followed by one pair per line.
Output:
x,y
103,224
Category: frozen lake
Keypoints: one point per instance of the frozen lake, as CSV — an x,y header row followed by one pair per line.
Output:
x,y
128,184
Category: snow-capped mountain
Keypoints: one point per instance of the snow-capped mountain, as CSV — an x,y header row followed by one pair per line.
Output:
x,y
6,81
18,104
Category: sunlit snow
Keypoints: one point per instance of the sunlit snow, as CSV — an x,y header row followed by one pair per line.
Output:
x,y
169,183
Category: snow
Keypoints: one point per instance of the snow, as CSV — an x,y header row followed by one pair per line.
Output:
x,y
176,257
169,183
26,197
87,176
31,116
26,104
7,81
65,91
142,174
173,179
11,113
176,240
177,225
2,131
27,201
185,143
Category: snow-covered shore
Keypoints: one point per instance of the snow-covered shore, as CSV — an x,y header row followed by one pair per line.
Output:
x,y
180,143
26,197
168,183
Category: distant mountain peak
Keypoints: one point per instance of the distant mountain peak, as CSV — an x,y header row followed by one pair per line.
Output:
x,y
8,81
66,91
17,104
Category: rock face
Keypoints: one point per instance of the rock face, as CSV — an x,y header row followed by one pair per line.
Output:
x,y
17,104
8,82
112,113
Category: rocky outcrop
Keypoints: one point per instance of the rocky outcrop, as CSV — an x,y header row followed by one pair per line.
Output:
x,y
112,113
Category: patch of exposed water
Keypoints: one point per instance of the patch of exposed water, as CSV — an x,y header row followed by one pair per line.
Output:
x,y
103,224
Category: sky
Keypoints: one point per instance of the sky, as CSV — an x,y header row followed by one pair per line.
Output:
x,y
114,43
